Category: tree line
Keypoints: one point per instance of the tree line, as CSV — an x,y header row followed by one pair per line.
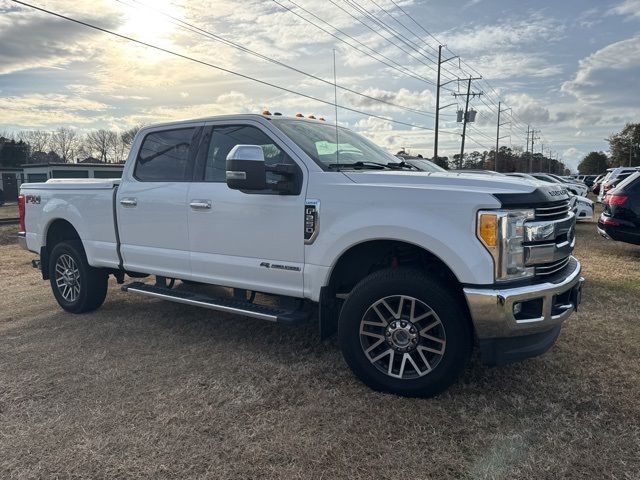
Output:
x,y
509,160
624,151
65,145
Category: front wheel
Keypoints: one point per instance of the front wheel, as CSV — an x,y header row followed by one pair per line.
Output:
x,y
402,332
77,286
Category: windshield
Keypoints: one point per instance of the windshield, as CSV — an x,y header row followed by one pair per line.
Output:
x,y
424,165
318,140
546,178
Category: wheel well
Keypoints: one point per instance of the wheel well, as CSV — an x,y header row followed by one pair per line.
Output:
x,y
365,258
59,231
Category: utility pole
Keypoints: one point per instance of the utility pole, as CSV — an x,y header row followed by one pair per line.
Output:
x,y
528,155
498,137
466,114
632,147
438,107
533,138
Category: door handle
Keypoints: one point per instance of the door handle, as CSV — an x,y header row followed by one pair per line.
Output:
x,y
129,202
200,204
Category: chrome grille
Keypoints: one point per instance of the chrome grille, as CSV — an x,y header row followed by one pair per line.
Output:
x,y
553,211
551,268
550,238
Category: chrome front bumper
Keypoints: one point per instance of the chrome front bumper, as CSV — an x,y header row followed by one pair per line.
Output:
x,y
22,240
492,308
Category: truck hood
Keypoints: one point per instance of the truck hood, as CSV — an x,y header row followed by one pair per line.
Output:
x,y
511,191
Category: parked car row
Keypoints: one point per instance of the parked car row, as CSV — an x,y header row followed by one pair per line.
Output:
x,y
620,219
613,178
582,207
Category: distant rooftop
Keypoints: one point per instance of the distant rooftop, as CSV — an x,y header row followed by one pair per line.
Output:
x,y
74,165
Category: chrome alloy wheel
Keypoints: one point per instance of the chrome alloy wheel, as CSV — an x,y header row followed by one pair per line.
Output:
x,y
67,278
402,337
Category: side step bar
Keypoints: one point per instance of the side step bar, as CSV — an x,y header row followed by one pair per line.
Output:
x,y
228,305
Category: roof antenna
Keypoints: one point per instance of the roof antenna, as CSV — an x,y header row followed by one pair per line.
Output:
x,y
335,101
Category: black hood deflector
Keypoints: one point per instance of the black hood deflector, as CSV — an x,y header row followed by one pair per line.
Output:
x,y
541,195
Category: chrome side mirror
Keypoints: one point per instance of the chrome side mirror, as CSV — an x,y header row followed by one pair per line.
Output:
x,y
246,168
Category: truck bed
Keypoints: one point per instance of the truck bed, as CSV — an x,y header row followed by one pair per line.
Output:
x,y
85,203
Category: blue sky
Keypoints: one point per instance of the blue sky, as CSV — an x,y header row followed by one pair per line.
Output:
x,y
568,68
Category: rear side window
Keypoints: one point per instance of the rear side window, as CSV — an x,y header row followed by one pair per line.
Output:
x,y
164,156
631,183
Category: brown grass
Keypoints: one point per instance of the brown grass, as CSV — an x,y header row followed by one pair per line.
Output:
x,y
148,389
9,211
8,234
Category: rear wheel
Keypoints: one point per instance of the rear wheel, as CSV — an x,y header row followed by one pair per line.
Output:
x,y
403,332
77,286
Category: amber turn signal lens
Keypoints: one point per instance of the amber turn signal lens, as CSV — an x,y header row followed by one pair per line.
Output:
x,y
489,229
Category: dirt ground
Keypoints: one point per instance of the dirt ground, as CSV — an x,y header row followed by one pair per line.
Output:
x,y
148,389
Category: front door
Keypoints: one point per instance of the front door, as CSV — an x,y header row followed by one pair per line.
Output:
x,y
246,240
152,204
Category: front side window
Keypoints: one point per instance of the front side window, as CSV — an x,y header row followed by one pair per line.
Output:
x,y
164,156
224,138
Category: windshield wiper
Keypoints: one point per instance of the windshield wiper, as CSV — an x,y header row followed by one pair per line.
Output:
x,y
403,164
356,165
374,165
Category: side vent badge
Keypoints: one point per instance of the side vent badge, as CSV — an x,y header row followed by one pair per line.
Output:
x,y
311,220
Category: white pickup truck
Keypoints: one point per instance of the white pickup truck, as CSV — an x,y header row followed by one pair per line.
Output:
x,y
412,269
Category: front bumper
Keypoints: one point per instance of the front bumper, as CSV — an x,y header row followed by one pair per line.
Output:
x,y
492,309
22,240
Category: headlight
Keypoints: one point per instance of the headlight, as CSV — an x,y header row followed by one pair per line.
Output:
x,y
502,233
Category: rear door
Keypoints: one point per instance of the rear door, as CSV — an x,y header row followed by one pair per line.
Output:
x,y
252,240
152,203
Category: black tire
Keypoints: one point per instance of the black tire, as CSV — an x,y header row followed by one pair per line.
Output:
x,y
454,327
92,282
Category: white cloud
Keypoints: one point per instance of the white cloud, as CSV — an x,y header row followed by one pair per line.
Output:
x,y
609,75
630,8
38,110
572,154
514,65
528,108
419,100
505,36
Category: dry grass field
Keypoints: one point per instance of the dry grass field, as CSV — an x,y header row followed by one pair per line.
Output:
x,y
147,389
9,211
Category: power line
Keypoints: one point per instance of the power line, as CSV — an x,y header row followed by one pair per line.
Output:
x,y
356,7
420,49
205,33
478,143
393,64
413,47
492,96
217,67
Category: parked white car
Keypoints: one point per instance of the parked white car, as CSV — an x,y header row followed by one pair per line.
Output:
x,y
582,207
410,268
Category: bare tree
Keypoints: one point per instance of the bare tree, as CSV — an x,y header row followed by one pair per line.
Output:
x,y
100,142
125,142
38,140
64,142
